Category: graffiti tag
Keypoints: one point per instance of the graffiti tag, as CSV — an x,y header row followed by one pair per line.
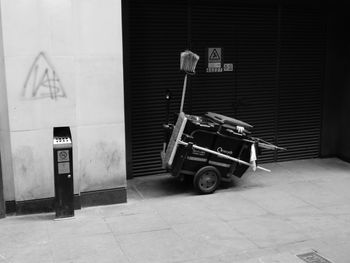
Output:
x,y
42,80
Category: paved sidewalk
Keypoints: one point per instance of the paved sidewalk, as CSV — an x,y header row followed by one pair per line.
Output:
x,y
302,206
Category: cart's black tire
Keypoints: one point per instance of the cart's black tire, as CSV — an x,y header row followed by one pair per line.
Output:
x,y
207,180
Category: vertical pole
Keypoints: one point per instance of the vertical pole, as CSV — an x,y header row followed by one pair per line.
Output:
x,y
183,94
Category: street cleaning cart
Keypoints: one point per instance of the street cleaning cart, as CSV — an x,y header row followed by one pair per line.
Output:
x,y
210,148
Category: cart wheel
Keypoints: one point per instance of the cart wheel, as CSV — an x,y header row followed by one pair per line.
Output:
x,y
207,180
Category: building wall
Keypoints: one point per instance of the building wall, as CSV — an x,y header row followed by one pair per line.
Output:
x,y
63,67
5,145
3,122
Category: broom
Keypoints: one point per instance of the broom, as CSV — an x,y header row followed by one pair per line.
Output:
x,y
188,62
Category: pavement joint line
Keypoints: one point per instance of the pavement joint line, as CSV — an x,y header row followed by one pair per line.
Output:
x,y
144,231
119,245
138,192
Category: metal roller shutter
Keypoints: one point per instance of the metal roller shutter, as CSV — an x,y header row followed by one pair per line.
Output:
x,y
277,52
212,25
248,38
302,53
157,31
256,89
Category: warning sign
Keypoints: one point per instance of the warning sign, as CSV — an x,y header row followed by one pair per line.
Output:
x,y
214,59
214,55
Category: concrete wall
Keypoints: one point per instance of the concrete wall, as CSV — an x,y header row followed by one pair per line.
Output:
x,y
63,67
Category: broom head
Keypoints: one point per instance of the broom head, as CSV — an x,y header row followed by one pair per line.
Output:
x,y
188,61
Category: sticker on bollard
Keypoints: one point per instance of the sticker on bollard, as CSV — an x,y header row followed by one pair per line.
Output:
x,y
63,156
63,168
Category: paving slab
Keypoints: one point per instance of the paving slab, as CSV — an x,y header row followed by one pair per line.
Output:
x,y
268,231
159,246
92,248
218,235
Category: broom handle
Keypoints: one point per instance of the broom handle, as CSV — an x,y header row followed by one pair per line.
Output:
x,y
183,94
222,155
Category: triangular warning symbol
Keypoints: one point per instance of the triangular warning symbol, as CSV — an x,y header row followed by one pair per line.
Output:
x,y
214,55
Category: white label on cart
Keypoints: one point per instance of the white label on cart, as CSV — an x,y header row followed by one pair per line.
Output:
x,y
197,159
198,152
220,150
